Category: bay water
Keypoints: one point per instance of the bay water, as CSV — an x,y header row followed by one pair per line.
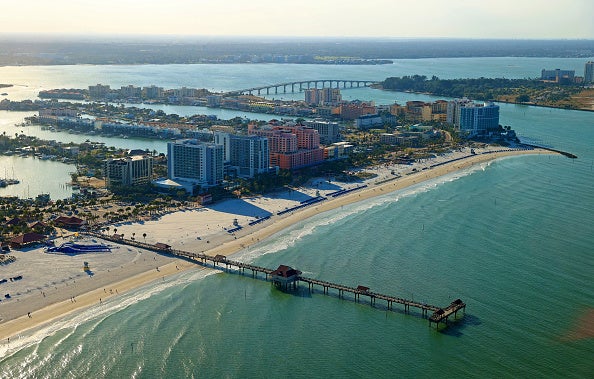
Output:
x,y
512,238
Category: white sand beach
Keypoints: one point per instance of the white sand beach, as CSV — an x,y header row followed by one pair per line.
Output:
x,y
54,285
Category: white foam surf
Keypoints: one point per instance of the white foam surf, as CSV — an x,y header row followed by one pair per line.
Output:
x,y
290,236
94,314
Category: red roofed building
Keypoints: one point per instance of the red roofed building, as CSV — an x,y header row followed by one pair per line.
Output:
x,y
283,276
37,224
26,239
14,221
70,222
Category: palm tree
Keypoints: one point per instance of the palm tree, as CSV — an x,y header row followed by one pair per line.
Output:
x,y
144,236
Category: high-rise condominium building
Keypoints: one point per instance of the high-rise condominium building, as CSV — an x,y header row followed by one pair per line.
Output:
x,y
557,75
478,119
291,147
589,72
128,171
329,131
197,162
246,155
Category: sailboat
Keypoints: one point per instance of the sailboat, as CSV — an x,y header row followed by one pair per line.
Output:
x,y
8,180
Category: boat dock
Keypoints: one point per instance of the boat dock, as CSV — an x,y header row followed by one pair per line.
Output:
x,y
286,278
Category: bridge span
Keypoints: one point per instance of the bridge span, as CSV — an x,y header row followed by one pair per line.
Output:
x,y
299,86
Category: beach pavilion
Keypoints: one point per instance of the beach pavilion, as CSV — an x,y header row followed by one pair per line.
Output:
x,y
285,276
69,222
26,239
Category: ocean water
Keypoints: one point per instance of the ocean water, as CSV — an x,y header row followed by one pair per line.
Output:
x,y
512,238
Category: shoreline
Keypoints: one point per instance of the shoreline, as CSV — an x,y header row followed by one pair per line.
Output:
x,y
495,101
245,238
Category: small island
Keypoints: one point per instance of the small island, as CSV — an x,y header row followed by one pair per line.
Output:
x,y
538,92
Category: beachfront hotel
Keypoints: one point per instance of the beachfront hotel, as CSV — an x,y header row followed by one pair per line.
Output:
x,y
244,156
291,147
128,171
453,110
479,119
196,162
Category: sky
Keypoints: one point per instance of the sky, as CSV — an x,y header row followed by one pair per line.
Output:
x,y
523,19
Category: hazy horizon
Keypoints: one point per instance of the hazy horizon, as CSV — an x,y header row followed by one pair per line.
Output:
x,y
466,19
256,38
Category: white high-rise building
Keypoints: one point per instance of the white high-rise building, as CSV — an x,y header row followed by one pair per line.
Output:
x,y
246,155
224,139
323,96
152,92
589,72
196,162
453,110
128,171
479,119
329,130
330,96
99,91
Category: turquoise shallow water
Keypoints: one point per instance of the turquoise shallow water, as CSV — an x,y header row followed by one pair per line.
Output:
x,y
512,238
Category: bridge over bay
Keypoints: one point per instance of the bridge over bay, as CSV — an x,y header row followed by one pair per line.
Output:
x,y
299,86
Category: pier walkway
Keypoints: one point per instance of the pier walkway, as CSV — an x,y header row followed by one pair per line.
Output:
x,y
439,314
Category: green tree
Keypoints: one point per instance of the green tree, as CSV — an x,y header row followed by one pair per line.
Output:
x,y
523,98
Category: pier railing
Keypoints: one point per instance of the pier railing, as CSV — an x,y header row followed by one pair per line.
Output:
x,y
439,314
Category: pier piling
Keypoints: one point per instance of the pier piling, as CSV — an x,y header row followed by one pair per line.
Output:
x,y
287,278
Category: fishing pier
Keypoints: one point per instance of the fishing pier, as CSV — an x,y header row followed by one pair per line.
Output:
x,y
287,278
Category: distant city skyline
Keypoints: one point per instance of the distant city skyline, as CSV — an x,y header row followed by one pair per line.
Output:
x,y
530,19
